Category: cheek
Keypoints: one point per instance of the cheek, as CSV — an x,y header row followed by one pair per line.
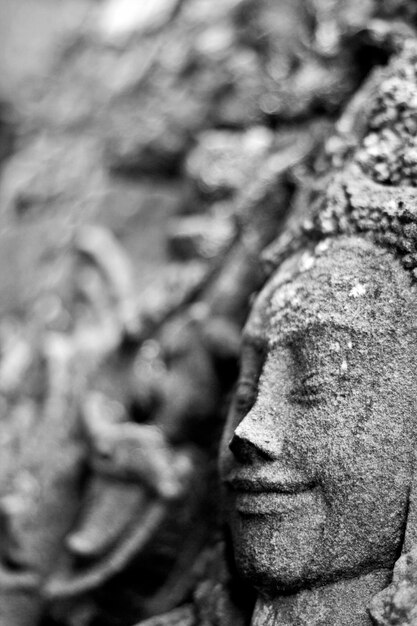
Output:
x,y
366,464
353,442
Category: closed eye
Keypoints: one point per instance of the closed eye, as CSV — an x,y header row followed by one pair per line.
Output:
x,y
310,390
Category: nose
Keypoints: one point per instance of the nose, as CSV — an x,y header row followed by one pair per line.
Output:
x,y
258,437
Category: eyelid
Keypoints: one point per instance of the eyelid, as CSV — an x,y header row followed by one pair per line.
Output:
x,y
310,376
310,390
314,388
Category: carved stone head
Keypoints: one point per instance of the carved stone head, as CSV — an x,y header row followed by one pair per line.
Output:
x,y
322,429
318,453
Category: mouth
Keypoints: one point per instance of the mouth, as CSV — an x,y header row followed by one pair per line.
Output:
x,y
282,481
254,492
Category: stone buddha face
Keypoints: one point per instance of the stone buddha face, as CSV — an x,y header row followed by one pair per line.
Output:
x,y
317,458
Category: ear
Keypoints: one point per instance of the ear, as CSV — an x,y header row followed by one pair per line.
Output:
x,y
400,598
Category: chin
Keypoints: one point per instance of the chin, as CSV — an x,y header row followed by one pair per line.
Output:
x,y
276,555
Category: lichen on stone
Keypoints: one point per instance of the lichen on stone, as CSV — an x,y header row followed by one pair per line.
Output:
x,y
373,194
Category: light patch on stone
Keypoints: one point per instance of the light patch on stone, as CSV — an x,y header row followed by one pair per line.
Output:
x,y
357,291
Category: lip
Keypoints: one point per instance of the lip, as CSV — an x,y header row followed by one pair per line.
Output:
x,y
283,481
277,492
274,503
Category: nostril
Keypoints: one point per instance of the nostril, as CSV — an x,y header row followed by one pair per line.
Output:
x,y
248,446
232,444
242,449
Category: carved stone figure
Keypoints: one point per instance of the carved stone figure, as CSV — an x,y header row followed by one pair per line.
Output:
x,y
108,507
319,451
320,461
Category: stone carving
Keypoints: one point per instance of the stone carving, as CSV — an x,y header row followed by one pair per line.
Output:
x,y
233,102
318,458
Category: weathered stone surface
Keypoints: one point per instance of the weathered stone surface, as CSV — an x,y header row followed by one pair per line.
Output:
x,y
303,442
318,457
398,603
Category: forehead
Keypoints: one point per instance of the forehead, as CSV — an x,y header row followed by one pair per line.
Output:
x,y
344,283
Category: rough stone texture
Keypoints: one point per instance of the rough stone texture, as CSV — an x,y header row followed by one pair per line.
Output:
x,y
360,199
398,603
323,442
319,451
